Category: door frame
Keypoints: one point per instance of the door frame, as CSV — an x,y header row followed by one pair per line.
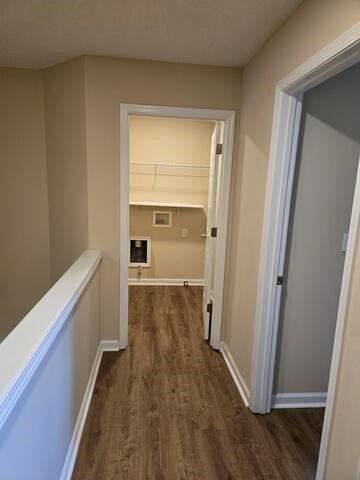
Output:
x,y
228,119
334,58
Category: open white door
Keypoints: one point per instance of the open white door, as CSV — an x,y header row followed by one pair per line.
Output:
x,y
210,234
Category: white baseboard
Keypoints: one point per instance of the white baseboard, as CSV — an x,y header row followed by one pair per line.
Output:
x,y
110,345
236,375
80,422
194,282
299,400
104,346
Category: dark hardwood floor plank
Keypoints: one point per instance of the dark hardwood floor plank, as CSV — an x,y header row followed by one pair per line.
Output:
x,y
168,409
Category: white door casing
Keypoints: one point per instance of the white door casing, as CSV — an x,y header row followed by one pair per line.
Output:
x,y
227,119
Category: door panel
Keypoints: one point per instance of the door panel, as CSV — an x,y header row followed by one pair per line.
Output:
x,y
211,222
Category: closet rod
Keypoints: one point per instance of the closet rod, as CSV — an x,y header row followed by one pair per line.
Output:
x,y
141,164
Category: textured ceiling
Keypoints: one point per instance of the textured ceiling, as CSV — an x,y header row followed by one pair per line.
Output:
x,y
40,33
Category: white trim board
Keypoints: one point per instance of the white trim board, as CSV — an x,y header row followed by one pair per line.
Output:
x,y
194,282
104,346
166,205
228,119
110,345
236,375
299,400
334,58
81,419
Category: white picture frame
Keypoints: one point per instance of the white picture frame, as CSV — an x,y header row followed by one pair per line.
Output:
x,y
162,219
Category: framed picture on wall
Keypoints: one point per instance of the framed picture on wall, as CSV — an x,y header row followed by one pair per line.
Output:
x,y
162,219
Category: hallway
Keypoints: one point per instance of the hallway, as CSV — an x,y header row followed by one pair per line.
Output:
x,y
167,407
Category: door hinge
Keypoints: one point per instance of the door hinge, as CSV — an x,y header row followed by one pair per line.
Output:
x,y
280,280
219,149
213,231
209,308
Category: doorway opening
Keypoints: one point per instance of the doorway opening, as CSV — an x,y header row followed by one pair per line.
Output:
x,y
174,167
175,173
311,223
320,211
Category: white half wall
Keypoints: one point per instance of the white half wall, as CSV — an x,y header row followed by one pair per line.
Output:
x,y
42,390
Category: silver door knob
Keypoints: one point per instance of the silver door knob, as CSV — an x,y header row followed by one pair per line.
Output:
x,y
203,235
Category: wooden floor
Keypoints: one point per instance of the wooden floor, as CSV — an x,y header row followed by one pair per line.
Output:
x,y
168,409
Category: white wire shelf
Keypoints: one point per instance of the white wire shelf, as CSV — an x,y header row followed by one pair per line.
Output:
x,y
166,204
169,170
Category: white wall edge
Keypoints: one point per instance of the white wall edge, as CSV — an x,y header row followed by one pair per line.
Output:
x,y
236,375
24,348
300,400
80,422
110,345
195,282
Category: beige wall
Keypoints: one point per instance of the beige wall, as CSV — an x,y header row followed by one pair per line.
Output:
x,y
170,141
171,255
66,162
43,176
295,42
24,272
328,157
109,82
315,24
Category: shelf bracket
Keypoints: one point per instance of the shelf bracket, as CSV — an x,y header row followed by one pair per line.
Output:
x,y
155,173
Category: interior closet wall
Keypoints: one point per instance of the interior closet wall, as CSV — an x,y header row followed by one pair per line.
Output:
x,y
164,141
169,141
25,262
172,256
328,157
